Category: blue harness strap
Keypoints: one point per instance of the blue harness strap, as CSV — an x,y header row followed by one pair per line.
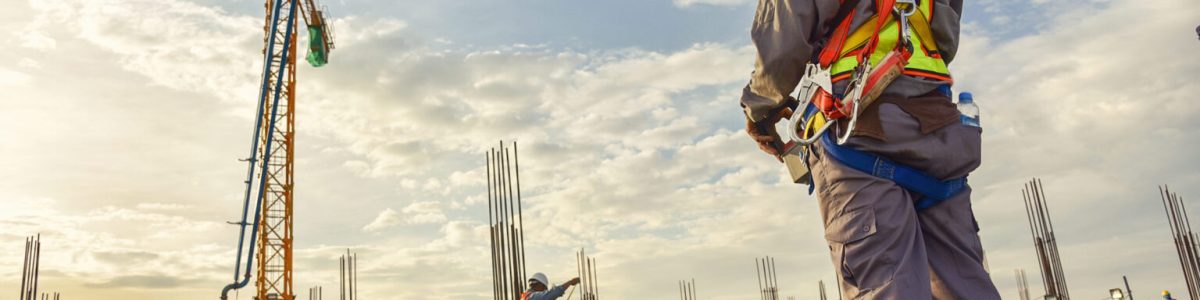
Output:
x,y
931,189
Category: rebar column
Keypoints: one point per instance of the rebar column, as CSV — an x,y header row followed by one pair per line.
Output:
x,y
1041,229
1184,239
506,222
768,279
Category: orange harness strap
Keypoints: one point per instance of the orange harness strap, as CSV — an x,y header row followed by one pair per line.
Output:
x,y
827,103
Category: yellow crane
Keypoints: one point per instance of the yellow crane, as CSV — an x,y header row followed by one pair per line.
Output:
x,y
269,172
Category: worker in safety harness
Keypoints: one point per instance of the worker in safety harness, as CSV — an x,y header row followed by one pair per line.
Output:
x,y
874,133
538,288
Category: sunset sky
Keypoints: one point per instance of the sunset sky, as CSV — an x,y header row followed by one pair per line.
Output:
x,y
122,122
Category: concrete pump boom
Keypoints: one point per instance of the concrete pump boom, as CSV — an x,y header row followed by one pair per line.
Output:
x,y
271,150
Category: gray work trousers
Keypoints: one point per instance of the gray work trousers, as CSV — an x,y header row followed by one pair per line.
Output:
x,y
882,248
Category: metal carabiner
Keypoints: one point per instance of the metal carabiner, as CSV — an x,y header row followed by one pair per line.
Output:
x,y
815,79
858,82
903,15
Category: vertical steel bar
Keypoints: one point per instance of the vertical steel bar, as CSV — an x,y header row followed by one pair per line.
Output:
x,y
511,227
579,269
37,262
821,289
1061,274
520,214
758,274
1048,259
1168,208
1025,195
487,166
1185,244
1190,241
25,268
1178,231
355,275
595,281
1128,291
500,228
342,277
1047,268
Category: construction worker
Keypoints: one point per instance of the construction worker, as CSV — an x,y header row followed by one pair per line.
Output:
x,y
883,246
538,288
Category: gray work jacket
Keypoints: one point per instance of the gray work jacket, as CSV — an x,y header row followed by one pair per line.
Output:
x,y
786,33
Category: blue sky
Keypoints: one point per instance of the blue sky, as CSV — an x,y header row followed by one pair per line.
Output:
x,y
122,121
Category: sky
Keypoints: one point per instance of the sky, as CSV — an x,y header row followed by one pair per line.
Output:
x,y
122,122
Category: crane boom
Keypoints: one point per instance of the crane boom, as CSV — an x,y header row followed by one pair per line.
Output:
x,y
271,151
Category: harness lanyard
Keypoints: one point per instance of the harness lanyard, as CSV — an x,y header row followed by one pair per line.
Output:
x,y
883,9
832,49
832,106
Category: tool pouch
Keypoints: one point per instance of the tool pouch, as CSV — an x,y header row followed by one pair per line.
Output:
x,y
793,158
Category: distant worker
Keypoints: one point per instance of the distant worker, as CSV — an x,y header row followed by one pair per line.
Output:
x,y
1167,295
887,149
538,288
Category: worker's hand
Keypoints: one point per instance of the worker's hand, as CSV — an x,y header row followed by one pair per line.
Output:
x,y
763,132
571,282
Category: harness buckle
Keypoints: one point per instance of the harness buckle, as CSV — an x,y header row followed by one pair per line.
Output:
x,y
816,82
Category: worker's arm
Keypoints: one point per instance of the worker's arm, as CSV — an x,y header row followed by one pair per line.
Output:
x,y
783,32
945,24
555,292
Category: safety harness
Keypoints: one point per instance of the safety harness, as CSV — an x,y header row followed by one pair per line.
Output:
x,y
874,68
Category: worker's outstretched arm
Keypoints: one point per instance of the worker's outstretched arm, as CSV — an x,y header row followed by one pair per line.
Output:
x,y
784,33
555,292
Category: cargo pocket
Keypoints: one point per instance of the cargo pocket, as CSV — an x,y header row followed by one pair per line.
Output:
x,y
847,235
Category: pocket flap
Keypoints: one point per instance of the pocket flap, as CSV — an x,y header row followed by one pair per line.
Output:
x,y
851,226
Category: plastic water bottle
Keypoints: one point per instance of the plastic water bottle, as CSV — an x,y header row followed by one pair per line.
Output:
x,y
968,110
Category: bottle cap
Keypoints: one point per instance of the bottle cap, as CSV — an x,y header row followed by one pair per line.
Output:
x,y
965,97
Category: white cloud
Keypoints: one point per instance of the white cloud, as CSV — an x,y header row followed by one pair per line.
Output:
x,y
429,212
12,78
385,219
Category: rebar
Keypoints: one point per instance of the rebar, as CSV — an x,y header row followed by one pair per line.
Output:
x,y
1022,284
315,293
1041,228
31,268
1184,239
687,290
768,284
348,275
589,287
821,289
506,222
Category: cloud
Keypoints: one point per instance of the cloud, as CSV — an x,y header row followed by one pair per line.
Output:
x,y
10,77
429,212
386,218
158,281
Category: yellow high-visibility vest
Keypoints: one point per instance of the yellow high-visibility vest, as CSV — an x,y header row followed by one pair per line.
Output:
x,y
926,61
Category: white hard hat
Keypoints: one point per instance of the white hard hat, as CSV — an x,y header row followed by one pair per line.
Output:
x,y
539,277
